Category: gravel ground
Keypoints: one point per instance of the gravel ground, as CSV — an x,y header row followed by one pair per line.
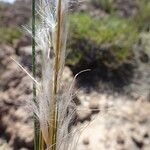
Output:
x,y
105,121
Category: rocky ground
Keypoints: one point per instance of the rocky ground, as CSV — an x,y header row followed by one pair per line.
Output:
x,y
121,124
21,13
15,88
106,121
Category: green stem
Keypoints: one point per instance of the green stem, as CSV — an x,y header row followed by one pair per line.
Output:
x,y
36,123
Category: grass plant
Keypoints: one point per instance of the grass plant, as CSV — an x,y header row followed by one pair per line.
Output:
x,y
50,105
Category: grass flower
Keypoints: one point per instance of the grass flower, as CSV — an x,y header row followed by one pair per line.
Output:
x,y
52,107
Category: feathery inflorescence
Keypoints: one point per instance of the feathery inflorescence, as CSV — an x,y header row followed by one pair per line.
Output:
x,y
54,108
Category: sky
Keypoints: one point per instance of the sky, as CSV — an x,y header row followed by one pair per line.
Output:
x,y
10,1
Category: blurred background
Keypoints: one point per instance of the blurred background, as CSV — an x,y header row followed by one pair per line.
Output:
x,y
110,37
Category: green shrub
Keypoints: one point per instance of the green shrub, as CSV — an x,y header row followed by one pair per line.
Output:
x,y
145,42
142,19
104,4
8,35
110,35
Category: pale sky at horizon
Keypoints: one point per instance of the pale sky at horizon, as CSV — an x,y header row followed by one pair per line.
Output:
x,y
10,1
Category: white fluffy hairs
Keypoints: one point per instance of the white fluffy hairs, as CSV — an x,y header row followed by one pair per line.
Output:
x,y
51,37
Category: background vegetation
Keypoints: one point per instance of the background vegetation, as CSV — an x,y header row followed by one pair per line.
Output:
x,y
103,35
